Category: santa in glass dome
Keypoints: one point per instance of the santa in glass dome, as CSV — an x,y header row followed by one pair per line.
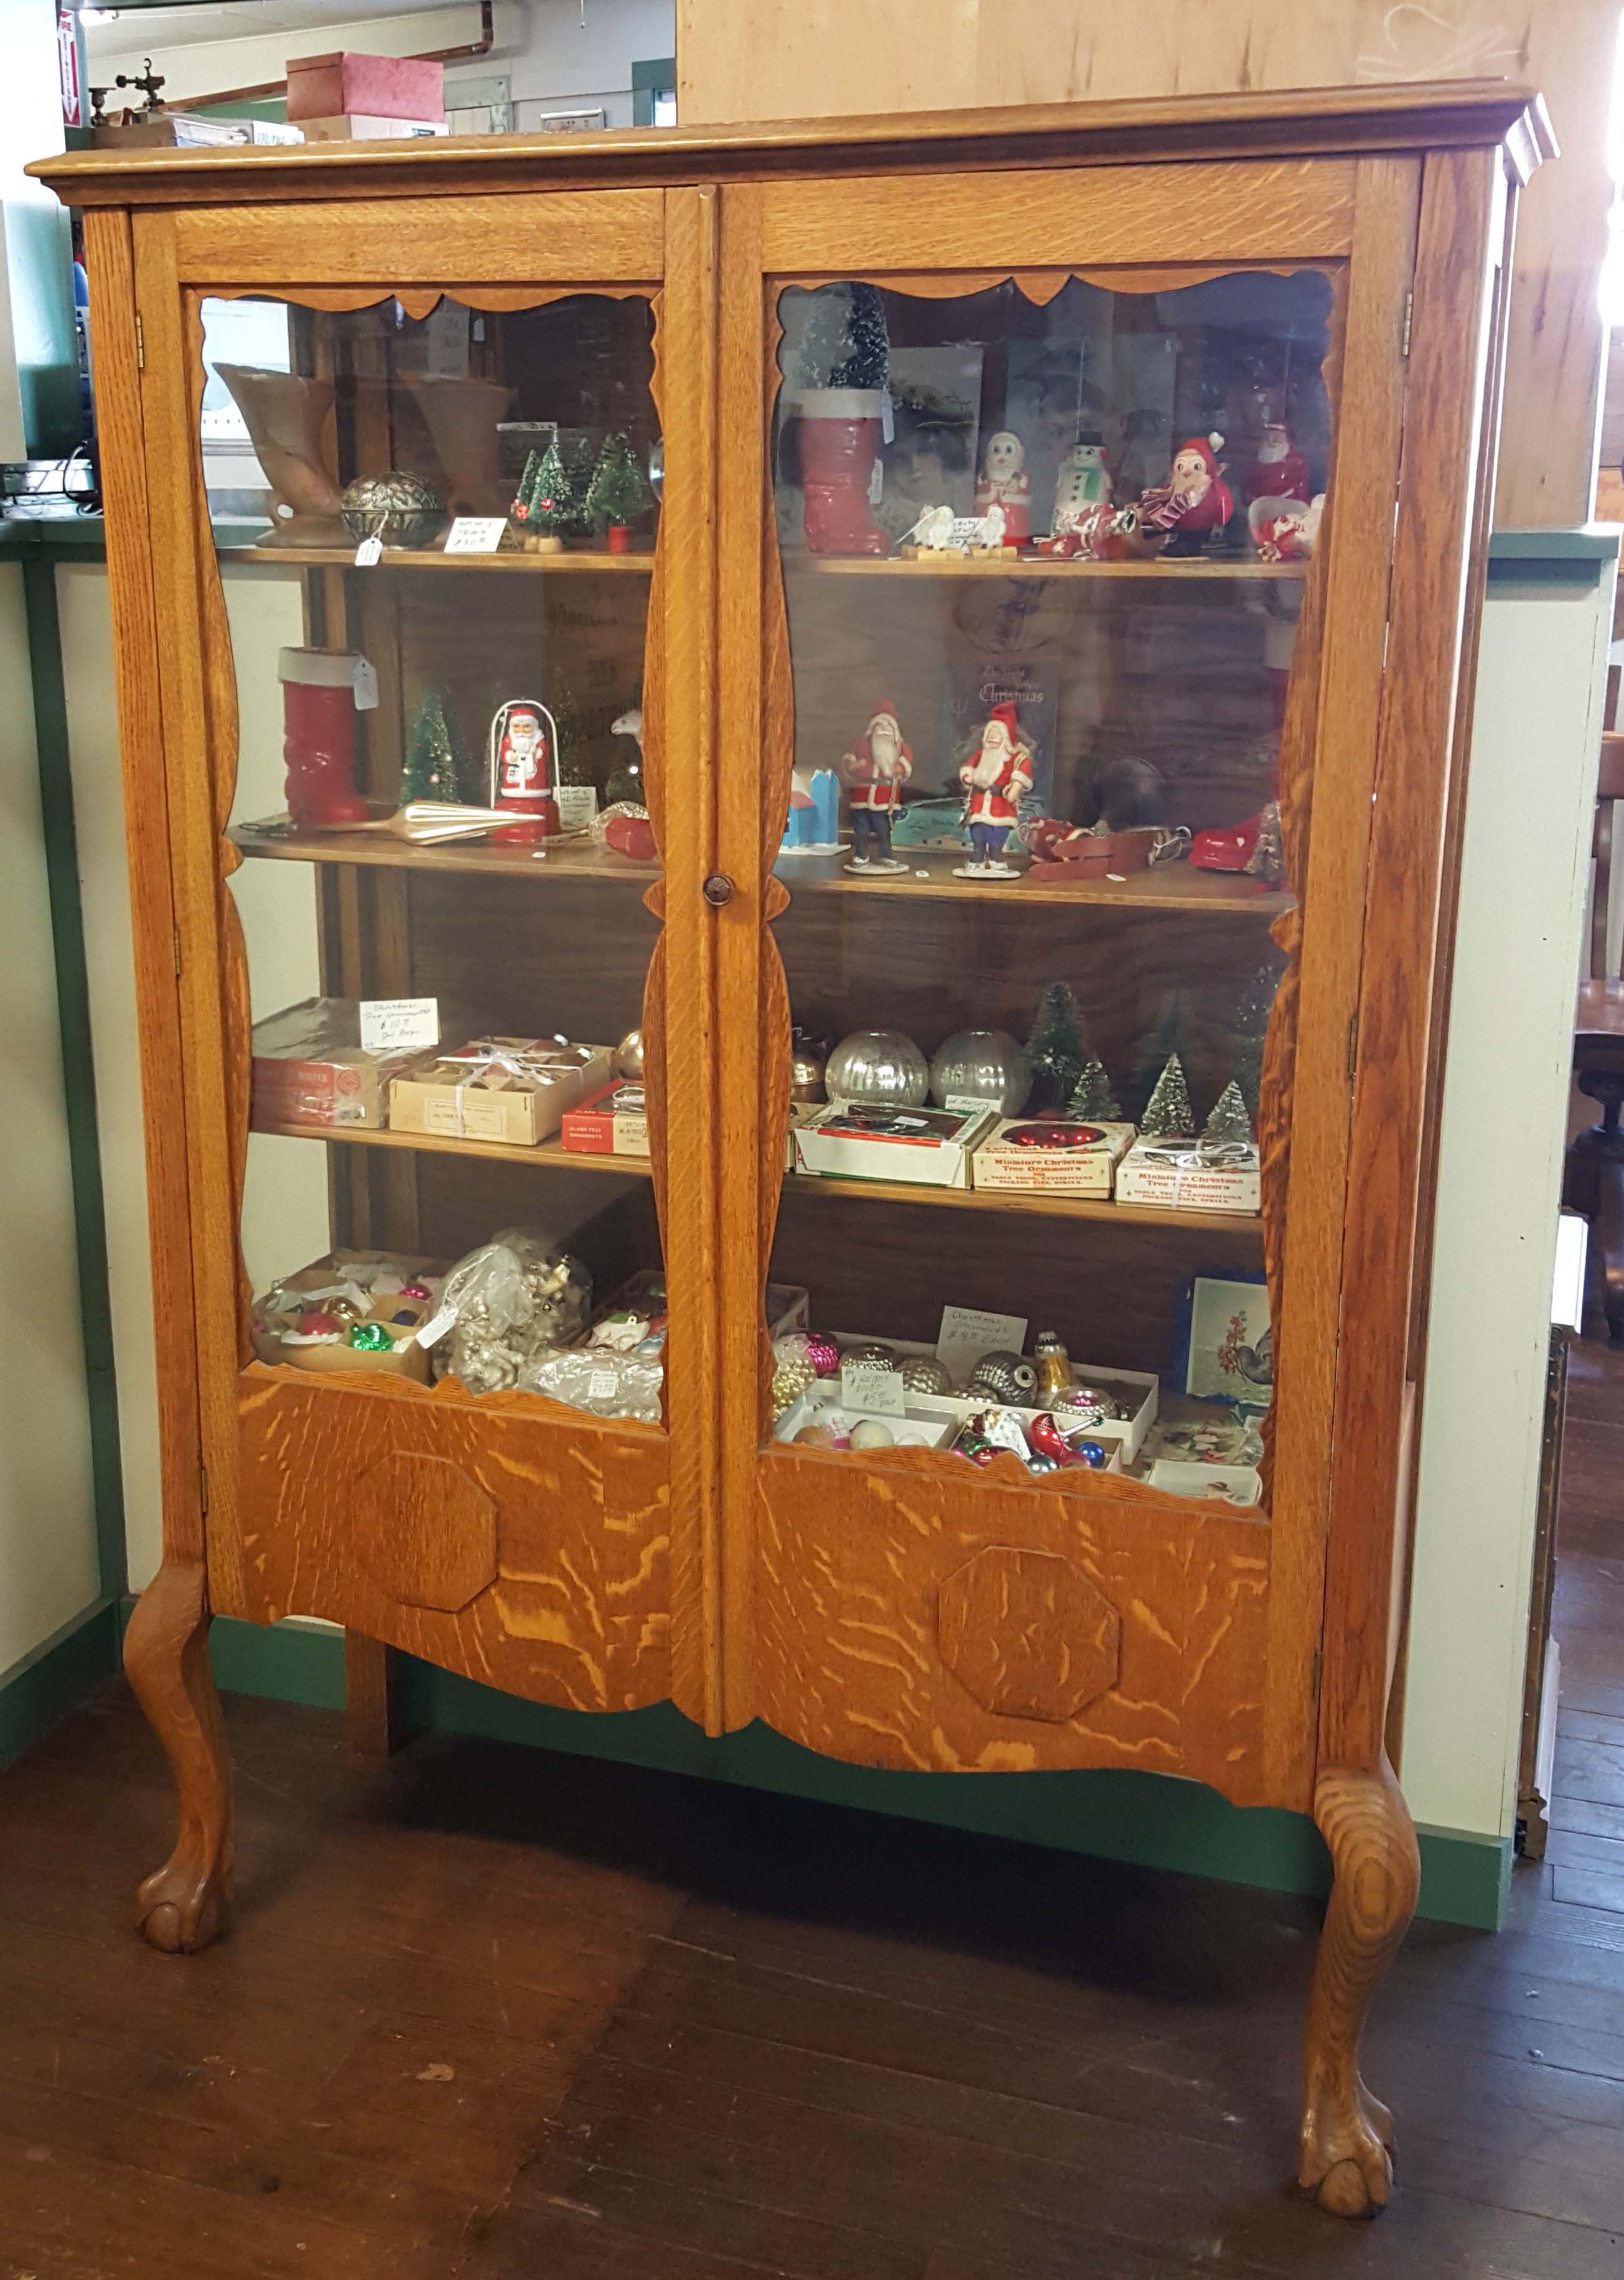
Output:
x,y
994,778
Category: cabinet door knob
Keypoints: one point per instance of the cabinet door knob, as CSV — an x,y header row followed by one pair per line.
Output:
x,y
718,889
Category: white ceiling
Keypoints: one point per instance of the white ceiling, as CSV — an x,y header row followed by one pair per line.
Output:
x,y
235,20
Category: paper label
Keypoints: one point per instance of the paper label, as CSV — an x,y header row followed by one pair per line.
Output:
x,y
577,805
366,684
871,1386
602,1385
434,1330
475,534
964,1104
967,1333
369,550
399,1025
888,416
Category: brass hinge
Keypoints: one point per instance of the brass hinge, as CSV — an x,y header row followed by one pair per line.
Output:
x,y
203,1487
1403,349
141,345
1353,1046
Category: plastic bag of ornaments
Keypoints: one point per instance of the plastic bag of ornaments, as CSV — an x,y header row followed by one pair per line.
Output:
x,y
620,1370
508,1303
351,1310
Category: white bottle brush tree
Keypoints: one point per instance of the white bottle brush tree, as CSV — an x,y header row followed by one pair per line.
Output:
x,y
1167,1113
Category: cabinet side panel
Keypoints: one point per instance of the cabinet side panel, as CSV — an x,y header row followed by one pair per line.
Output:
x,y
139,653
1434,557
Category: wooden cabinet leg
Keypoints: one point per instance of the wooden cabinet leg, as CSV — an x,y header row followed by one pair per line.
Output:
x,y
372,1697
1347,2134
183,1904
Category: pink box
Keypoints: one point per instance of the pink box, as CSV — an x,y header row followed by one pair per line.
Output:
x,y
380,86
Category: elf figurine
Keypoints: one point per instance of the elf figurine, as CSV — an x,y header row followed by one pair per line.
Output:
x,y
875,770
522,771
994,777
1193,502
1003,482
1280,470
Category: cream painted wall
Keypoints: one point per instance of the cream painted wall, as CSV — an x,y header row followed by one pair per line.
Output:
x,y
48,1553
1524,877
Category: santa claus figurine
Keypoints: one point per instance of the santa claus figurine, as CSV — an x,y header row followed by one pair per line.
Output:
x,y
522,772
1280,470
994,777
1003,482
875,770
1193,502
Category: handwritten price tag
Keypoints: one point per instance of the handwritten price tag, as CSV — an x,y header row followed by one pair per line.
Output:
x,y
475,534
877,1391
399,1025
967,1333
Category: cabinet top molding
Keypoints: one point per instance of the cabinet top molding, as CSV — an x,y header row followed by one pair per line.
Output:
x,y
1338,121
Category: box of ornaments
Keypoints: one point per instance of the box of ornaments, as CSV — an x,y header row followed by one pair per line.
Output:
x,y
1046,1408
351,1310
1181,1166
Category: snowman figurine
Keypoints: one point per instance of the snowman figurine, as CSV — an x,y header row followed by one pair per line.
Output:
x,y
1083,483
1004,482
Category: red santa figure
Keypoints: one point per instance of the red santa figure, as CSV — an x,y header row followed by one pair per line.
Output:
x,y
994,778
522,772
1280,470
1003,482
874,771
1193,502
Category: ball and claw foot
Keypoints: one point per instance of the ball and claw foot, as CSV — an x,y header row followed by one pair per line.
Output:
x,y
182,1906
1347,2136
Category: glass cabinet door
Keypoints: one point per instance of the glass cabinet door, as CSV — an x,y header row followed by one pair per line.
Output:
x,y
1041,760
440,517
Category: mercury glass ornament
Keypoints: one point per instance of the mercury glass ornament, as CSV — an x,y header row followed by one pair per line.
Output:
x,y
871,1356
869,1433
1054,1367
807,1059
401,510
985,1065
628,1056
823,1355
923,1374
790,1381
1082,1405
878,1064
1006,1376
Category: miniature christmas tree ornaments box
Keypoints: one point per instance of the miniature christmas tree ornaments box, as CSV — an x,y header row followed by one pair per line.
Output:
x,y
1174,1166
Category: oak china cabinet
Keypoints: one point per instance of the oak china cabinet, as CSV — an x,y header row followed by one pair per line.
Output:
x,y
717,616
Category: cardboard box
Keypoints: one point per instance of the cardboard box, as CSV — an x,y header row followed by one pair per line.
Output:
x,y
1186,1176
1138,1390
309,1068
361,127
924,1147
613,1123
378,87
929,1421
354,1270
514,1091
1001,1162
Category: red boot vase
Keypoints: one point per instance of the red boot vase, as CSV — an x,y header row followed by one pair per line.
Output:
x,y
839,442
319,691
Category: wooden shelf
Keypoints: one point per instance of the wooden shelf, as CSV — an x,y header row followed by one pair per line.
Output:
x,y
575,857
973,565
1038,1201
434,558
545,1151
1042,1203
1175,886
1172,886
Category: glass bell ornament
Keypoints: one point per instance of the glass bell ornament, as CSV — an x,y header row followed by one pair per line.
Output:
x,y
981,1065
878,1064
1054,1367
808,1057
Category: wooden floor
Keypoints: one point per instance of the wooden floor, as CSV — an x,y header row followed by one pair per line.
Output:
x,y
489,2016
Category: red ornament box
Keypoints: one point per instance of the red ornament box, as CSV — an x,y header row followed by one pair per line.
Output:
x,y
380,86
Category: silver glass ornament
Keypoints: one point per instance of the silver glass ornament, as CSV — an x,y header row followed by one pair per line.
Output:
x,y
401,510
628,1055
984,1065
878,1064
807,1058
1006,1376
923,1374
872,1355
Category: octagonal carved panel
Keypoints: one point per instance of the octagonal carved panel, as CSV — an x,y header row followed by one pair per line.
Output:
x,y
1027,1633
425,1530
